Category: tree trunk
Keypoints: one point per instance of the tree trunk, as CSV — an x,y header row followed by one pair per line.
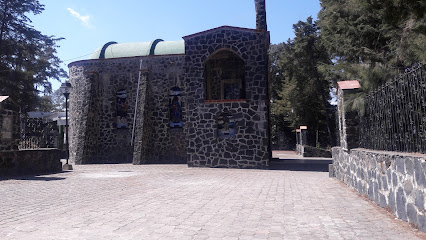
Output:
x,y
3,25
320,88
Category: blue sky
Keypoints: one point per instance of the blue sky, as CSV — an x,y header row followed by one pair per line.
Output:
x,y
88,24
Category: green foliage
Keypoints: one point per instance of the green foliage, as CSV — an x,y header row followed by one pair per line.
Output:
x,y
54,102
303,91
27,57
370,31
372,41
275,71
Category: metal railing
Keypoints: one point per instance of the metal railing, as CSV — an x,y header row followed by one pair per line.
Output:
x,y
37,133
395,114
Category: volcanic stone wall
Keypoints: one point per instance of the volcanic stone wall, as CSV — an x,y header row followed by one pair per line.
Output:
x,y
249,148
94,137
395,181
9,129
30,162
160,143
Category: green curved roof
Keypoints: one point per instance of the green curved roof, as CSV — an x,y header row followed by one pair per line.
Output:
x,y
156,47
170,47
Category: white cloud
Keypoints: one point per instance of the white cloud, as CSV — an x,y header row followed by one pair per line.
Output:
x,y
84,19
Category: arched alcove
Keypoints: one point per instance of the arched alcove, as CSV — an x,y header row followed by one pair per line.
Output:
x,y
224,76
175,107
122,121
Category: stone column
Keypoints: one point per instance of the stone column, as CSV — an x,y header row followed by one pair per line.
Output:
x,y
348,120
9,124
297,136
260,15
298,142
80,101
138,141
303,135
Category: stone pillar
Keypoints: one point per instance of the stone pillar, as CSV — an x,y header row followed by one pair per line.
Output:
x,y
80,102
341,118
299,147
260,15
303,135
297,136
348,120
9,124
139,140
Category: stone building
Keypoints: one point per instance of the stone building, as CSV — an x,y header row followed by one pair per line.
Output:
x,y
201,101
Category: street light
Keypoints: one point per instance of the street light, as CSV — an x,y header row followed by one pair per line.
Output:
x,y
65,89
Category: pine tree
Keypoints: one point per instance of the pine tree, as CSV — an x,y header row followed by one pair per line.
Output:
x,y
373,41
27,57
304,97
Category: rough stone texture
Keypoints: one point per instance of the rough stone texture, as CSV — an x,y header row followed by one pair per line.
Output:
x,y
300,149
308,151
30,162
94,137
158,142
250,146
9,125
348,121
386,178
420,200
149,139
142,128
260,15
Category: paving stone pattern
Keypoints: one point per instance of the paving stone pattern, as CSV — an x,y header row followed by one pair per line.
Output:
x,y
176,202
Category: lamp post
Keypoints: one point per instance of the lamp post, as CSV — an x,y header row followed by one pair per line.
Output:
x,y
65,89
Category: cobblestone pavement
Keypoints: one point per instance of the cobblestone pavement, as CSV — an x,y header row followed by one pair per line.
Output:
x,y
177,202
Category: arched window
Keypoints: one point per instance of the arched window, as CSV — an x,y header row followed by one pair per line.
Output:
x,y
224,74
122,121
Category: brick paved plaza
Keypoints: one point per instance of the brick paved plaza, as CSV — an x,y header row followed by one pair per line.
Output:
x,y
176,202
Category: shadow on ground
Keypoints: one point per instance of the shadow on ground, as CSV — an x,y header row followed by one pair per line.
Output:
x,y
31,178
310,165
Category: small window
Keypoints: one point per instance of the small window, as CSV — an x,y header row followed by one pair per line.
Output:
x,y
122,121
224,74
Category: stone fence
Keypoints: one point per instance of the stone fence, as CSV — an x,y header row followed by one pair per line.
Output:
x,y
29,162
301,139
395,181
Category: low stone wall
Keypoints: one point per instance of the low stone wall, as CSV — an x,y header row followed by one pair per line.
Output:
x,y
30,162
316,152
395,181
308,151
